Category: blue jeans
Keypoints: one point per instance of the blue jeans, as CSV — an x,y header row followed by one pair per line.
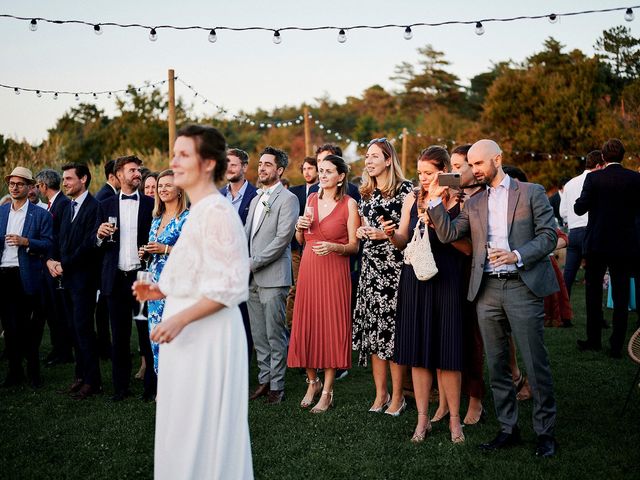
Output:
x,y
574,256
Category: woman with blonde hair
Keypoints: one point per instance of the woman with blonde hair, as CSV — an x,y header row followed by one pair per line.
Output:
x,y
383,191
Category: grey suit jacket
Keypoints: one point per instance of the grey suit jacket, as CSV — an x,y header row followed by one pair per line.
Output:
x,y
269,246
531,231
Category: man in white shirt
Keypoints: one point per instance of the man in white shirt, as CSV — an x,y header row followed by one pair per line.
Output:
x,y
577,224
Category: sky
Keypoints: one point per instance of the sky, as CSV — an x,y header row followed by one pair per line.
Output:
x,y
246,70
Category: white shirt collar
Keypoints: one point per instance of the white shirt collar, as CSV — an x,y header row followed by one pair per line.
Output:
x,y
24,207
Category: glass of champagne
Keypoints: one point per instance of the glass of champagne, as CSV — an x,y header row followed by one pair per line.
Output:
x,y
144,278
491,246
308,212
113,221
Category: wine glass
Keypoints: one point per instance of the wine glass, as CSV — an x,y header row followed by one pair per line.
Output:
x,y
144,278
491,246
308,212
59,287
113,221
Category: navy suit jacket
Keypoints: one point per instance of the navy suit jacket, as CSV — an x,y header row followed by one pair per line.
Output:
x,y
249,193
111,208
56,210
76,249
105,192
38,228
300,191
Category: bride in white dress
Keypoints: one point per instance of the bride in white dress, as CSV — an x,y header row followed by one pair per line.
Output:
x,y
202,430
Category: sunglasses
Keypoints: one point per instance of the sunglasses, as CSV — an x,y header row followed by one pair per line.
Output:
x,y
377,140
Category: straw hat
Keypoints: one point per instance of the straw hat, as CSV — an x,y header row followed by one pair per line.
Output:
x,y
21,172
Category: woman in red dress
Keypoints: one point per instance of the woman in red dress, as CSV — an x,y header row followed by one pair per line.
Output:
x,y
321,333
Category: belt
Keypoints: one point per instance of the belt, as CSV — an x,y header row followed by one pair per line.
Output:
x,y
503,275
129,273
8,269
577,228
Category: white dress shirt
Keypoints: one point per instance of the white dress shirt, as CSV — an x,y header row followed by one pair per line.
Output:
x,y
238,200
498,222
15,226
128,255
78,203
260,207
572,191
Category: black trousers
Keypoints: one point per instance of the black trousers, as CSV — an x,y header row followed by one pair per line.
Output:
x,y
81,307
58,318
122,306
102,327
22,329
620,275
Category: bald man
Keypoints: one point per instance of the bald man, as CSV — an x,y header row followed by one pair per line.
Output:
x,y
516,220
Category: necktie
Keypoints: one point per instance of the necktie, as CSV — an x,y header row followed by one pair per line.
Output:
x,y
129,197
73,209
48,205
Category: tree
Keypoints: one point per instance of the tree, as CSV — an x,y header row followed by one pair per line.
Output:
x,y
621,51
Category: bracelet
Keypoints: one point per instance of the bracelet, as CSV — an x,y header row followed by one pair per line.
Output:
x,y
166,248
344,249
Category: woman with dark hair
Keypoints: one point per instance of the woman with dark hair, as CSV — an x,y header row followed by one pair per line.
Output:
x,y
383,188
149,184
429,316
169,215
203,385
321,334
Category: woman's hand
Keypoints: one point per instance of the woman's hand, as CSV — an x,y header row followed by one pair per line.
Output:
x,y
167,330
435,190
141,252
323,248
155,247
303,223
389,227
375,233
361,232
146,291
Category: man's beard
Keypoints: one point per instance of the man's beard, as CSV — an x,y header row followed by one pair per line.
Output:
x,y
235,178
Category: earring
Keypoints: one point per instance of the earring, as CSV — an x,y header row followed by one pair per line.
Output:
x,y
339,184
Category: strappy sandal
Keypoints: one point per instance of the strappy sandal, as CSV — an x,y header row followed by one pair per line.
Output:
x,y
306,401
419,437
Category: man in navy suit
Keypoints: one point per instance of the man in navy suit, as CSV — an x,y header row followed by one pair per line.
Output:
x,y
610,196
76,263
309,171
109,189
240,193
120,266
48,184
26,236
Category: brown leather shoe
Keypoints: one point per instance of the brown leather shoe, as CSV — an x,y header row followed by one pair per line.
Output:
x,y
275,397
85,392
261,391
73,388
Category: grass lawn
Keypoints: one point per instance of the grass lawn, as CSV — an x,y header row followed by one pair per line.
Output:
x,y
46,435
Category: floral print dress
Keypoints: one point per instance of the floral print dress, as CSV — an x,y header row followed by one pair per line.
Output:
x,y
375,313
169,236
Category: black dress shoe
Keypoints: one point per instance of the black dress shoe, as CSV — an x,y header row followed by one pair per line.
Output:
x,y
73,388
36,382
261,391
502,440
86,391
120,396
546,446
275,397
148,396
615,353
585,345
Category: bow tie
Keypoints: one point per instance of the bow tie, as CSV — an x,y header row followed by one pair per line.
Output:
x,y
263,192
129,197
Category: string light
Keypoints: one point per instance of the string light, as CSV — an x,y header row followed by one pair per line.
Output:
x,y
553,18
479,29
17,90
212,36
94,94
153,35
628,15
97,30
342,36
277,39
38,93
408,34
55,96
33,25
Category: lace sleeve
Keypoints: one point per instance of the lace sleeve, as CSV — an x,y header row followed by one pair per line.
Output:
x,y
224,269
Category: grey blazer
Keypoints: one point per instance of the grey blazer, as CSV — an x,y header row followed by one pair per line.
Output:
x,y
269,246
531,231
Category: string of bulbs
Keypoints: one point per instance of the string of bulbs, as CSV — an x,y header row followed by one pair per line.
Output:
x,y
99,27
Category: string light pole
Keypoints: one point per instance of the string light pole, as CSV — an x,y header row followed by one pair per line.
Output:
x,y
405,134
307,133
172,112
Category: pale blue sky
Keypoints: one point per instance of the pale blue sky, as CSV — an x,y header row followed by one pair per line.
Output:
x,y
246,70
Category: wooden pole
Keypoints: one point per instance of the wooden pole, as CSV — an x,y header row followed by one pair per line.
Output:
x,y
405,134
307,133
172,112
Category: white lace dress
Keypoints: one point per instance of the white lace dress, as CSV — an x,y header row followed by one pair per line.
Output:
x,y
202,428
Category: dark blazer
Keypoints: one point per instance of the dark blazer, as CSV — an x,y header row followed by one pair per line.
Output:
x,y
77,250
249,193
611,196
56,210
531,228
300,191
352,191
105,192
38,228
111,208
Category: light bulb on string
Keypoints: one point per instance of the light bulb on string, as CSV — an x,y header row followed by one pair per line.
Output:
x,y
55,96
153,35
38,93
16,90
277,39
269,125
97,29
628,15
212,36
408,34
261,125
77,97
252,123
553,18
342,36
298,121
33,25
109,95
479,29
95,96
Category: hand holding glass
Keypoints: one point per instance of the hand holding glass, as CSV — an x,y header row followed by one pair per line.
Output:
x,y
144,278
491,247
114,223
308,212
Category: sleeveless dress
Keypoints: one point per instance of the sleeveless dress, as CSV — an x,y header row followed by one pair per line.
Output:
x,y
169,236
430,313
202,428
321,334
374,316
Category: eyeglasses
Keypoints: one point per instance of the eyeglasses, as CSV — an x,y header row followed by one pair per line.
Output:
x,y
377,140
17,185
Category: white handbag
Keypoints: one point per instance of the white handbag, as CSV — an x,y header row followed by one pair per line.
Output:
x,y
419,255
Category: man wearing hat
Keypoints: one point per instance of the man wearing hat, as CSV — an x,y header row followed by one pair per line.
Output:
x,y
26,234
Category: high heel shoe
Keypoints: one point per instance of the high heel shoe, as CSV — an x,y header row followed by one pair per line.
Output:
x,y
306,401
481,419
381,407
399,411
456,438
436,419
317,409
420,436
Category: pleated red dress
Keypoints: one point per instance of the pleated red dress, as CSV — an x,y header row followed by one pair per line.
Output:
x,y
321,332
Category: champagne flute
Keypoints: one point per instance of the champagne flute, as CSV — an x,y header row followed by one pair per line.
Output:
x,y
144,278
308,212
491,246
113,221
